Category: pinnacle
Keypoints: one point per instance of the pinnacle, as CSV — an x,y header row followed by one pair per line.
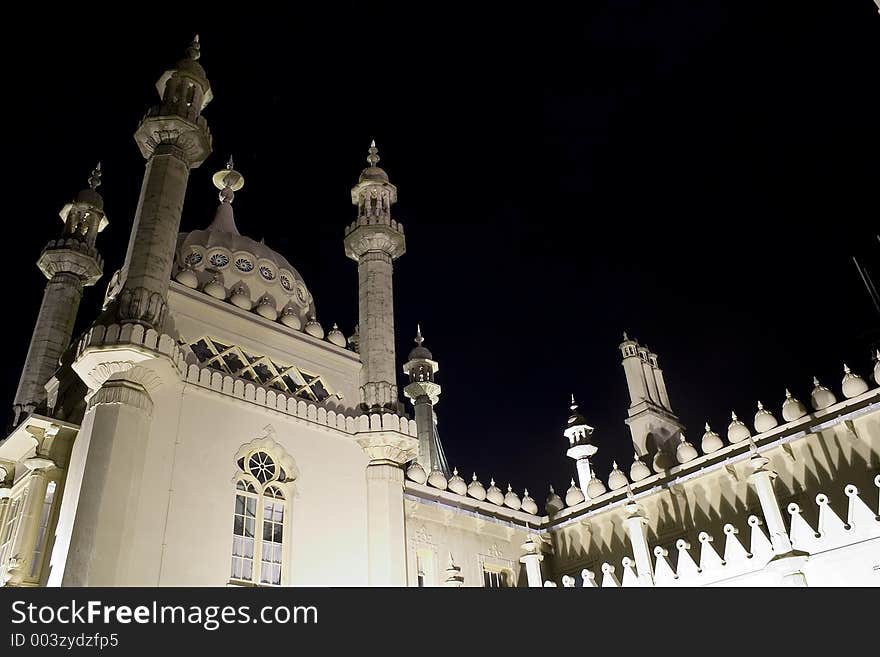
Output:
x,y
95,178
194,50
373,157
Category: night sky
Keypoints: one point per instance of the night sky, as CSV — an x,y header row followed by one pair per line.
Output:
x,y
696,173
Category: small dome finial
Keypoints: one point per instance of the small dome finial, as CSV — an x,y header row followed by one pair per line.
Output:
x,y
373,157
95,178
194,50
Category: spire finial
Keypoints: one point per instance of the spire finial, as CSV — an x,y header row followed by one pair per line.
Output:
x,y
846,369
229,164
95,178
625,337
419,339
707,427
194,50
816,381
373,157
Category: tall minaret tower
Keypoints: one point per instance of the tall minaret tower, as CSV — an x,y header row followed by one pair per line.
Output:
x,y
654,426
424,393
375,241
173,138
70,263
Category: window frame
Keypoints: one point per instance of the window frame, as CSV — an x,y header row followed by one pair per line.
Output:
x,y
262,493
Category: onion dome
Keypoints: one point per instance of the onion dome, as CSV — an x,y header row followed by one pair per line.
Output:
x,y
240,297
685,451
554,503
266,308
764,419
737,431
314,329
711,441
436,479
821,397
290,318
419,352
573,495
616,479
877,367
336,337
595,488
187,276
528,504
638,470
512,499
494,494
416,473
220,250
190,65
792,409
853,385
215,288
354,340
456,484
475,489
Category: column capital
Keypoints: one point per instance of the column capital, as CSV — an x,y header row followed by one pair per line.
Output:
x,y
123,391
38,464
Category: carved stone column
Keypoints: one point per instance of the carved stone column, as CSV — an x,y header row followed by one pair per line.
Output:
x,y
532,560
788,562
635,524
98,511
21,554
386,526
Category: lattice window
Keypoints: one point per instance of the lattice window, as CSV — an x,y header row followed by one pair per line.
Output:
x,y
231,359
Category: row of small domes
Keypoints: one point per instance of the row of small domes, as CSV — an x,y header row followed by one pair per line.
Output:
x,y
821,397
265,307
476,490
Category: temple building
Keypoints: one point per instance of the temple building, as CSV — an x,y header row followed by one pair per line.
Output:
x,y
207,429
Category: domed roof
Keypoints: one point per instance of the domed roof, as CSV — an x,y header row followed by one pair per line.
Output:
x,y
419,352
373,173
221,255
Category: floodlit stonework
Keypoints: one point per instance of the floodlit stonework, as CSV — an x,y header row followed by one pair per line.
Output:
x,y
208,430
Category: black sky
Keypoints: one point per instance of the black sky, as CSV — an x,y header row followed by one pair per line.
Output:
x,y
696,173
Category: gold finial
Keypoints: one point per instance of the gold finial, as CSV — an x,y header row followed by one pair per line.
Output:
x,y
95,178
373,157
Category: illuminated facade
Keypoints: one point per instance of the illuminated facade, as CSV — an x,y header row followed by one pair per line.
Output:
x,y
206,430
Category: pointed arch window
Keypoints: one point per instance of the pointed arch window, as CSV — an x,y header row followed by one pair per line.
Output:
x,y
258,534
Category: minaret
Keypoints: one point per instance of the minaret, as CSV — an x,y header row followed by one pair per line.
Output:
x,y
173,138
374,241
650,418
580,448
424,393
70,262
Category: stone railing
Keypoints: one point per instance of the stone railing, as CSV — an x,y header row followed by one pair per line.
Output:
x,y
211,379
700,563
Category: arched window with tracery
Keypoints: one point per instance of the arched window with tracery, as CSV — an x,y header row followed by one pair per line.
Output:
x,y
262,490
